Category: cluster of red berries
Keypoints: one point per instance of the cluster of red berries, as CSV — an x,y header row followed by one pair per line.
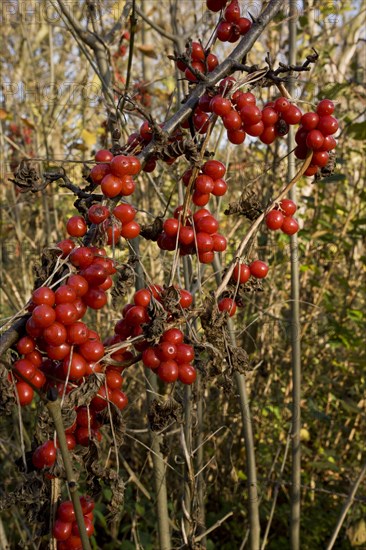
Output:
x,y
281,218
171,358
115,174
197,235
233,26
241,274
208,181
171,351
202,61
65,529
316,133
120,224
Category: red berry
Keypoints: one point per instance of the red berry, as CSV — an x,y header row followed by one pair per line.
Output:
x,y
325,107
232,120
98,213
236,136
25,393
168,371
136,315
244,99
212,62
314,139
227,304
89,527
124,212
250,114
258,269
95,275
320,158
65,294
204,184
66,313
255,129
130,230
91,350
186,298
220,105
114,380
57,353
81,257
95,298
268,135
184,353
79,284
292,115
329,143
25,345
111,185
173,335
98,172
61,530
214,169
74,366
311,170
281,104
200,199
120,166
199,66
290,226
66,511
66,246
241,273
197,53
327,125
269,116
274,219
220,187
150,358
244,25
204,242
224,30
24,368
166,350
142,297
87,504
45,455
310,121
77,333
219,242
76,226
103,155
43,295
186,235
43,316
207,224
288,207
186,373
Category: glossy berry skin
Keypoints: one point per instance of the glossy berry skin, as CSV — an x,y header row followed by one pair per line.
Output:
x,y
61,529
150,358
142,297
87,504
89,527
98,172
166,350
65,246
292,115
274,220
136,315
66,313
77,333
281,105
81,257
74,367
45,455
250,114
114,380
43,295
25,345
76,226
124,212
214,169
111,186
269,116
219,242
204,242
98,213
204,184
258,269
103,155
79,284
186,374
314,139
288,207
290,226
120,166
186,298
66,511
95,298
168,371
236,137
227,304
325,107
232,121
25,393
320,158
268,135
130,230
184,353
327,125
92,350
94,275
241,273
119,399
43,316
220,186
220,105
310,121
173,335
65,294
208,224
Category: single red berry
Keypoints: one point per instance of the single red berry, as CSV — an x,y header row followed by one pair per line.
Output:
x,y
204,184
97,213
274,220
292,115
89,527
173,335
43,316
43,295
25,345
66,511
255,129
200,199
220,187
314,139
197,52
241,273
250,114
236,136
223,31
66,246
269,116
25,393
186,298
258,269
81,257
232,120
268,135
103,155
325,107
79,284
207,224
229,305
290,226
130,230
74,366
214,169
65,294
186,235
76,226
327,125
186,373
244,24
124,212
310,121
168,371
77,333
150,358
111,185
212,62
220,105
281,104
120,166
66,313
320,158
184,354
288,207
98,172
219,242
